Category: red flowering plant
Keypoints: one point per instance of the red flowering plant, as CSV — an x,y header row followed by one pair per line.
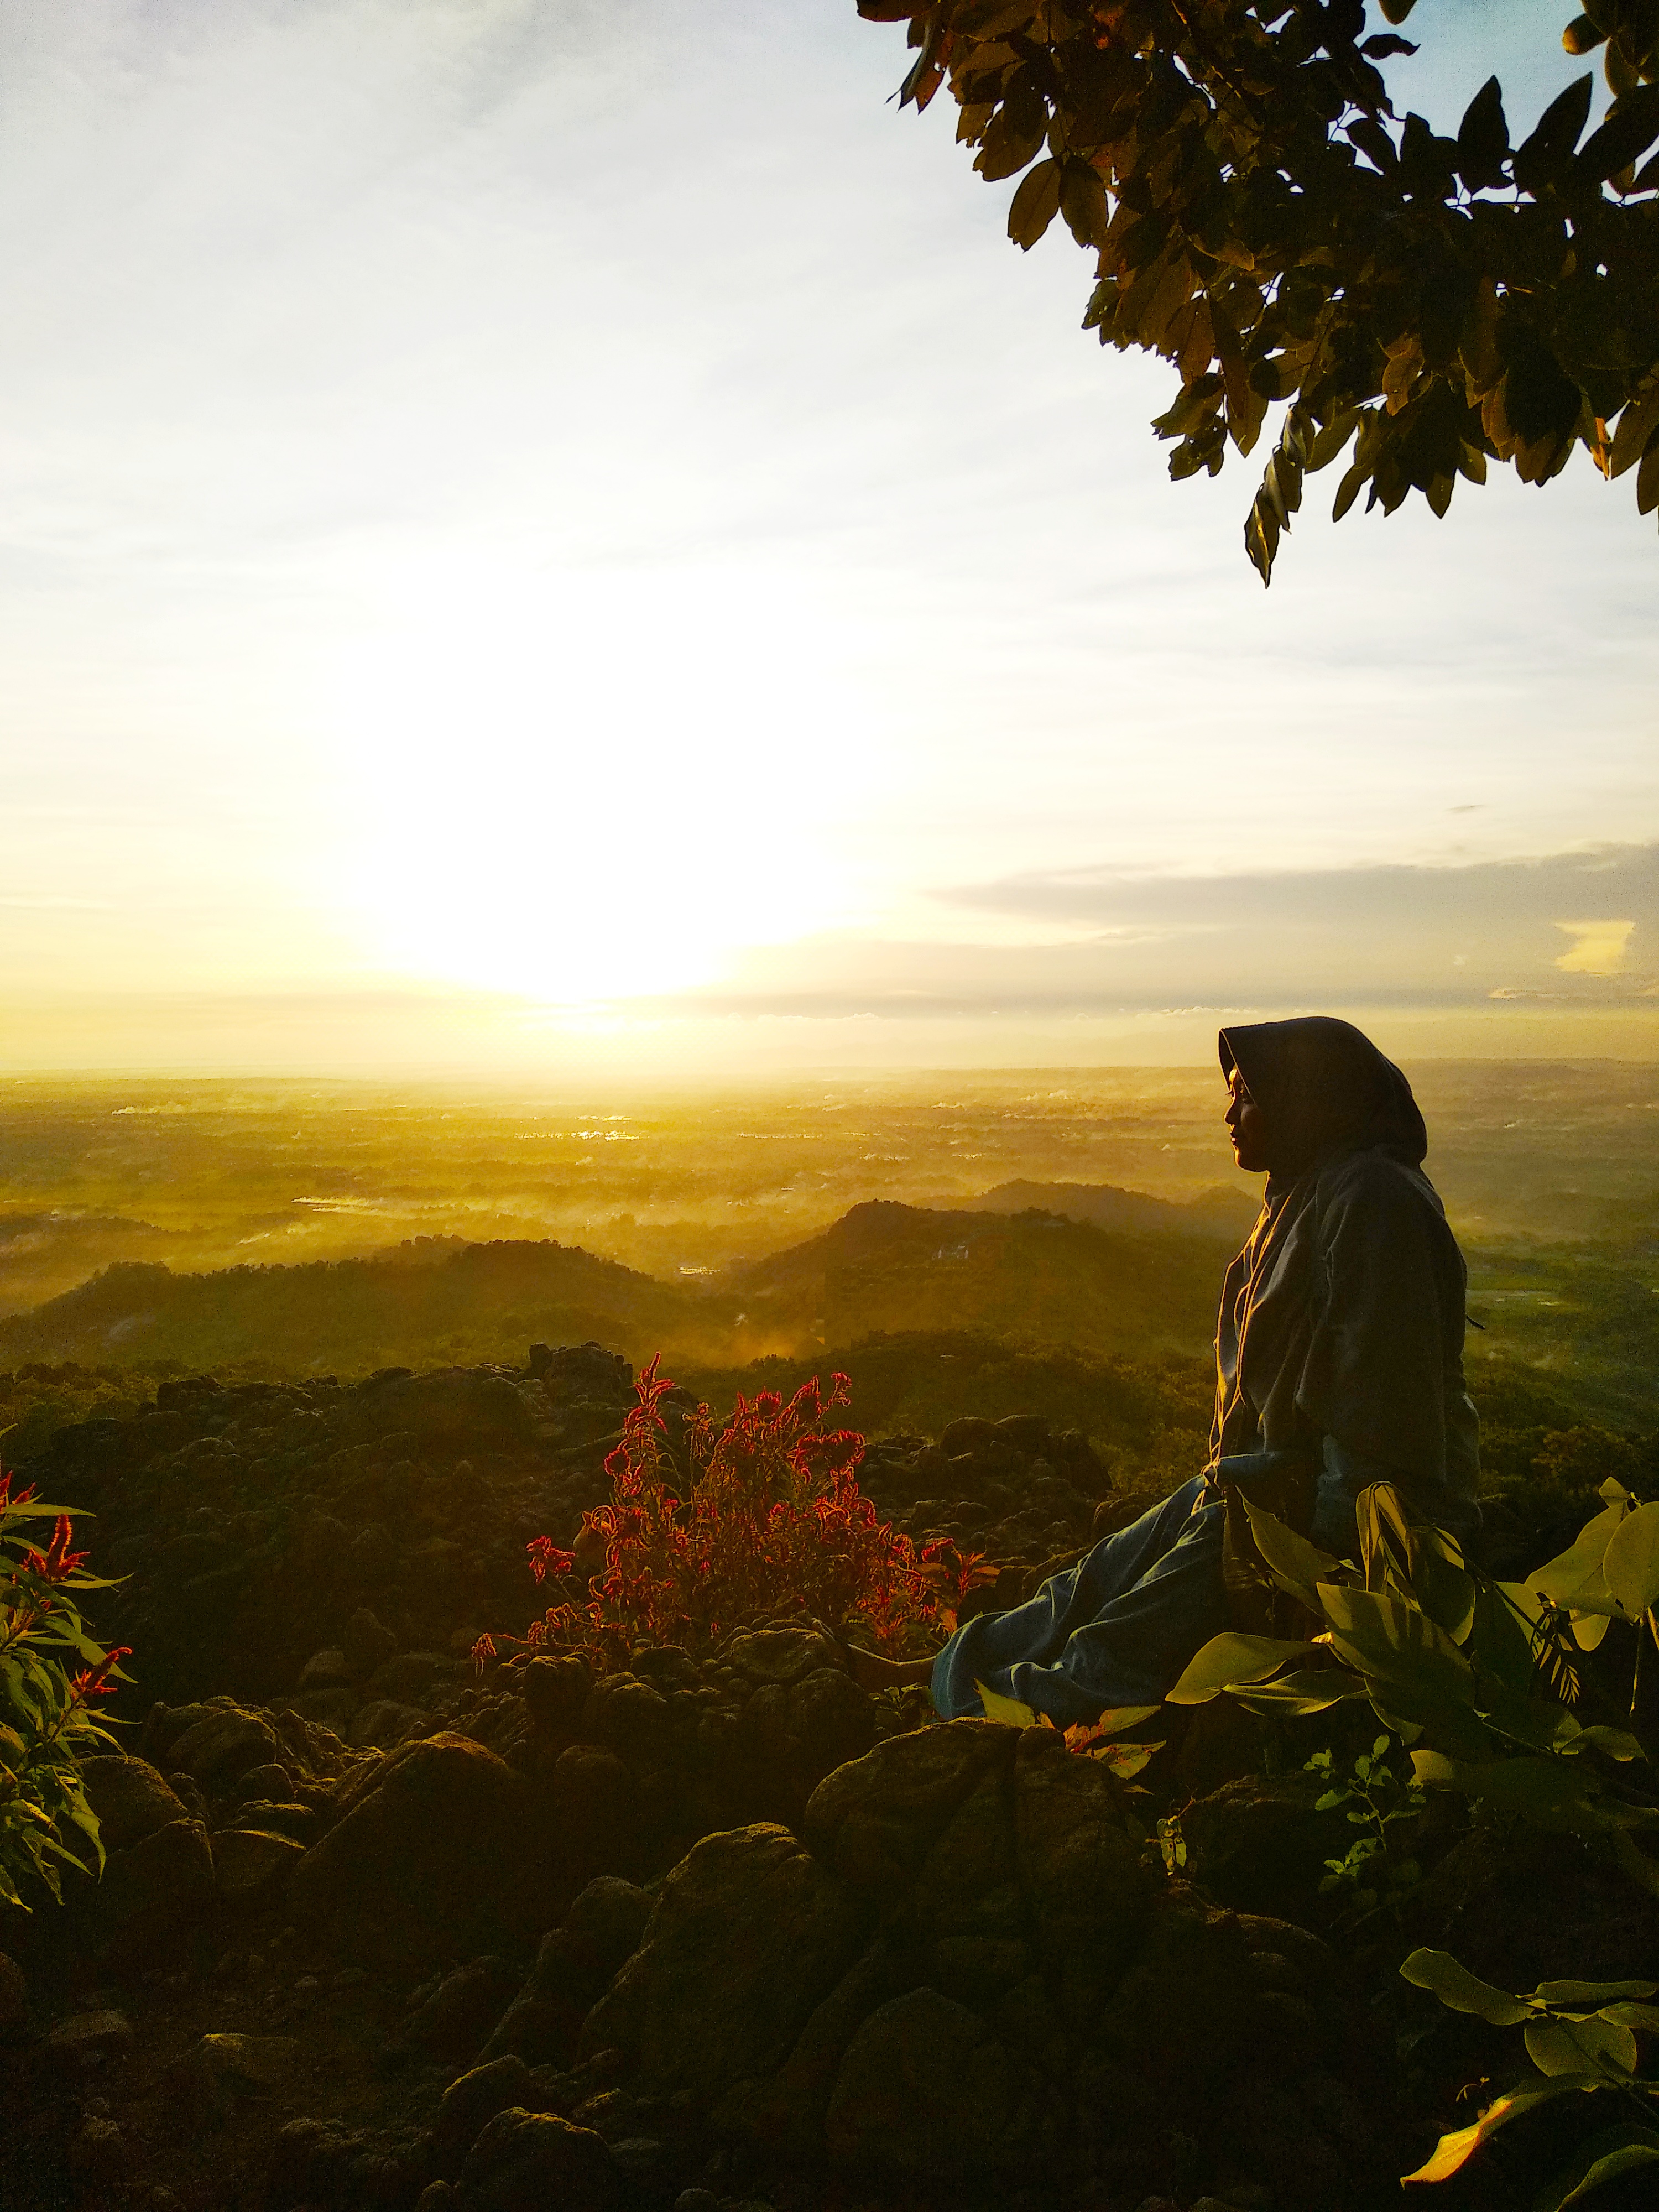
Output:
x,y
48,1702
764,1520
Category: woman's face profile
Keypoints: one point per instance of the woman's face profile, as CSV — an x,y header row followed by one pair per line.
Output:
x,y
1247,1126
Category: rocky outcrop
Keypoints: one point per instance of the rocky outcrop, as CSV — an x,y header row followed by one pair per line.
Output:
x,y
434,1855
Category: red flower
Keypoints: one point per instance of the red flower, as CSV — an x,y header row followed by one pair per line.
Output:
x,y
94,1682
546,1559
57,1561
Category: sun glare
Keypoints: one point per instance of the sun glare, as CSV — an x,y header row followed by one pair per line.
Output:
x,y
582,785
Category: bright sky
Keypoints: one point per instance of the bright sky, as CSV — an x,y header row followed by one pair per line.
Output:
x,y
559,528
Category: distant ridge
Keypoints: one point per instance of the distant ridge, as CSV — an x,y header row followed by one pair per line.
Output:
x,y
1031,1276
1221,1212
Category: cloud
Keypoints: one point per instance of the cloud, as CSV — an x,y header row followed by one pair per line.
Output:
x,y
1429,936
1597,949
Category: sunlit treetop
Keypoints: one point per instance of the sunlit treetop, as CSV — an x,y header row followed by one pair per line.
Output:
x,y
1264,220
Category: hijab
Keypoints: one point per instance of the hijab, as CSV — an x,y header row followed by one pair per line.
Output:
x,y
1321,1083
1344,1313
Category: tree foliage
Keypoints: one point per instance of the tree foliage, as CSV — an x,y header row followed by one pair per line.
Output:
x,y
1262,218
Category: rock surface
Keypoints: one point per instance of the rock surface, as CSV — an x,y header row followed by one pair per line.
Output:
x,y
436,1856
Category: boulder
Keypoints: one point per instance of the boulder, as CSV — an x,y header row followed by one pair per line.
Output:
x,y
222,1745
436,1856
1257,1844
152,1895
325,1670
783,1656
88,2038
750,1933
221,2067
468,2105
270,1782
366,1643
1188,2007
129,1798
829,1719
383,1722
457,2018
543,2023
925,2087
329,1709
98,2155
555,1691
410,1676
874,1821
527,2161
610,1916
457,1405
249,1863
1080,1869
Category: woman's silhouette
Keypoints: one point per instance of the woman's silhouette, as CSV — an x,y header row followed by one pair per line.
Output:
x,y
1338,1363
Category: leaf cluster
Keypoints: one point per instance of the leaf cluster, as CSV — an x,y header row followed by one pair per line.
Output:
x,y
1579,2036
48,1720
1099,1739
1460,1665
1261,218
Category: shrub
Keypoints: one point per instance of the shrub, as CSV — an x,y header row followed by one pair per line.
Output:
x,y
48,1719
763,1521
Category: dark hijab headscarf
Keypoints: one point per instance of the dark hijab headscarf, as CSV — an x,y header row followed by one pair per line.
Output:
x,y
1320,1084
1343,1315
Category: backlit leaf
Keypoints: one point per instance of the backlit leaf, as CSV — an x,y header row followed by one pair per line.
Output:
x,y
1630,1566
1232,1658
1295,1565
1590,2171
1592,1993
1459,1991
1581,2046
1453,2151
1009,1710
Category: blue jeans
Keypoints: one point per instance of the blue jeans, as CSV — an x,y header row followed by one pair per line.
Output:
x,y
1117,1629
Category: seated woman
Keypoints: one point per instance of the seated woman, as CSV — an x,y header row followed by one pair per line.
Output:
x,y
1338,1363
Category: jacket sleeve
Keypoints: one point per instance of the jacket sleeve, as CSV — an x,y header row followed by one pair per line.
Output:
x,y
1384,1352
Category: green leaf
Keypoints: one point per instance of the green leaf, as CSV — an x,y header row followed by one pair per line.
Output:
x,y
1549,1793
1008,1710
1640,2146
1459,1991
1581,2046
1559,1578
1386,1637
1314,1691
1295,1565
1644,2016
1453,2151
1225,1660
1630,1566
1592,1993
1615,1743
1126,1717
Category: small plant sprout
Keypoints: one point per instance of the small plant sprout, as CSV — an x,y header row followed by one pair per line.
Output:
x,y
1375,1799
